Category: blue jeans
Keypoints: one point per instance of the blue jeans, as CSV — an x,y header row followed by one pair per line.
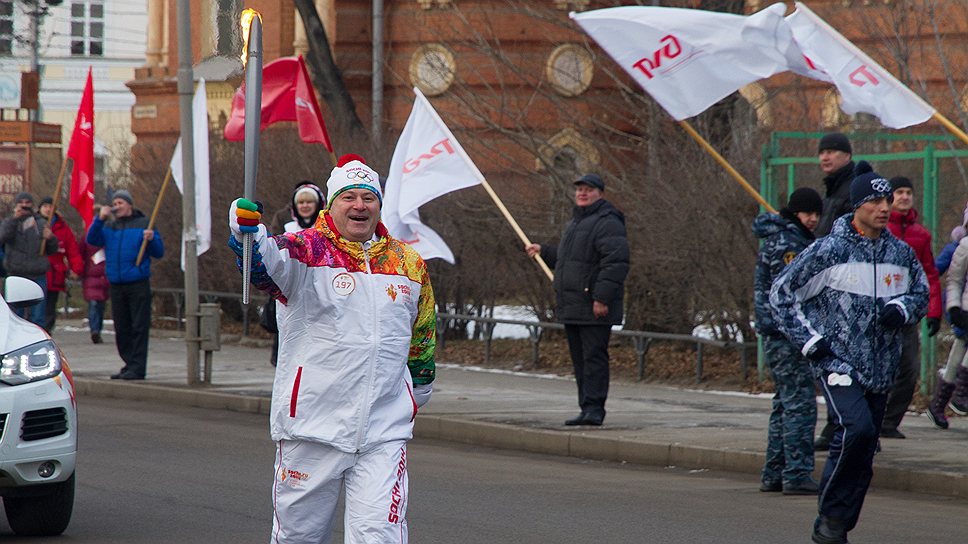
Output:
x,y
95,315
36,313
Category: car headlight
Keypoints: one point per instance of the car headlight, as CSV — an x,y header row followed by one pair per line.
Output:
x,y
34,362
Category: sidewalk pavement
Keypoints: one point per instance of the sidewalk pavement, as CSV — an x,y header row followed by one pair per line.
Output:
x,y
647,424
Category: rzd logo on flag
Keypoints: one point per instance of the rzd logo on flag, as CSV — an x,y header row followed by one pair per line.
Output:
x,y
440,147
862,76
670,50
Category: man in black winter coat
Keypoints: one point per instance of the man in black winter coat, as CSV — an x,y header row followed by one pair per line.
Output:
x,y
590,264
835,155
836,162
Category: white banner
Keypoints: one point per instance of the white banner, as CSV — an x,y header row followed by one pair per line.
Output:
x,y
427,163
863,84
689,59
203,205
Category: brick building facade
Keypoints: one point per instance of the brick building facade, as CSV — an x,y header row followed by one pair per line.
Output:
x,y
503,72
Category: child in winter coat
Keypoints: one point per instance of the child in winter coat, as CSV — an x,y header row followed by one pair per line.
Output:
x,y
95,287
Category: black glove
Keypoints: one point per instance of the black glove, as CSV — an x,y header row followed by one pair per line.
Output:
x,y
934,325
820,351
958,317
892,317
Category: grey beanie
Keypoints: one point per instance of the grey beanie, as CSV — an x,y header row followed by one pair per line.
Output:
x,y
123,195
24,195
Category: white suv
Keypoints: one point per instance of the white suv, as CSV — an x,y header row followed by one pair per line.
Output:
x,y
38,420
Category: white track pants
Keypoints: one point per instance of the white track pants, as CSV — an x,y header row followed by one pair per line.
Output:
x,y
308,479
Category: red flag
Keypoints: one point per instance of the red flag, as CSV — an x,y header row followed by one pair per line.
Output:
x,y
81,151
287,95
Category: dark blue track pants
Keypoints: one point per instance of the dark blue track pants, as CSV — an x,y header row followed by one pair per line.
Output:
x,y
857,415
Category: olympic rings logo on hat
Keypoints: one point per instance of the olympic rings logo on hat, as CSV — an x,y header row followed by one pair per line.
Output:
x,y
881,185
360,174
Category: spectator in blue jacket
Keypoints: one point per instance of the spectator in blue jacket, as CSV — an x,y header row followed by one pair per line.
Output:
x,y
789,450
130,282
843,302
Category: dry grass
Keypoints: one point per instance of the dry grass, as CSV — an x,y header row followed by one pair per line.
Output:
x,y
672,363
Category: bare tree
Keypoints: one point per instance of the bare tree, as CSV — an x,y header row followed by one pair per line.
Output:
x,y
688,222
326,75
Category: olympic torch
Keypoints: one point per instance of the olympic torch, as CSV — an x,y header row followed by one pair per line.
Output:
x,y
252,58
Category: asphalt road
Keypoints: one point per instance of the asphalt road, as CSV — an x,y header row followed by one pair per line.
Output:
x,y
151,473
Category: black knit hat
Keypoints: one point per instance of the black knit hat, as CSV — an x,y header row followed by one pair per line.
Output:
x,y
46,200
836,141
806,200
868,185
901,181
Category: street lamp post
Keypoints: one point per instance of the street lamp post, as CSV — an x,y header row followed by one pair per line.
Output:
x,y
185,90
37,10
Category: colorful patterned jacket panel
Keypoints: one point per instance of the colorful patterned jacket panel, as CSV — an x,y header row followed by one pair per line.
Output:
x,y
359,331
837,289
783,240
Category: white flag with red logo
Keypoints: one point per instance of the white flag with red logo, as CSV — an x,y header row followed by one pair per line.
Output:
x,y
428,162
863,84
689,59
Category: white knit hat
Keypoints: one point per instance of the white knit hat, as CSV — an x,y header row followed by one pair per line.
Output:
x,y
352,173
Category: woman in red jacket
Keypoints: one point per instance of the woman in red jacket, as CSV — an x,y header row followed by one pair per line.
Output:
x,y
67,258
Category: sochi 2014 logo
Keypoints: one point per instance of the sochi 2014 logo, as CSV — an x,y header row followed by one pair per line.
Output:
x,y
291,477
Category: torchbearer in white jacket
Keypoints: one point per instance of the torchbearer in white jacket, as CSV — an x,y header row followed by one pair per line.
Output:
x,y
356,361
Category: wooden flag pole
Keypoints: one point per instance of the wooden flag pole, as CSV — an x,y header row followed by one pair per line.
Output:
x,y
154,214
487,186
56,197
514,225
953,128
732,171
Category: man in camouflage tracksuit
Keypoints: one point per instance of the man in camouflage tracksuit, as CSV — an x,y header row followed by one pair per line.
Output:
x,y
843,301
789,450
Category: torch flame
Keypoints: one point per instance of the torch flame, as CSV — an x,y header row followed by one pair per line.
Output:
x,y
245,22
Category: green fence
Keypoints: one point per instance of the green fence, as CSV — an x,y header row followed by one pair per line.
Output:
x,y
779,172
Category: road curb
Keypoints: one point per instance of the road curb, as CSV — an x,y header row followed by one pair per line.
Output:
x,y
566,443
171,395
587,445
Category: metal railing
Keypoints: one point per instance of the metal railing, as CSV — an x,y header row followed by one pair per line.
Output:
x,y
257,299
641,340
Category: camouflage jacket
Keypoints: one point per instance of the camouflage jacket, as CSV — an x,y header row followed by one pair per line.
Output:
x,y
783,238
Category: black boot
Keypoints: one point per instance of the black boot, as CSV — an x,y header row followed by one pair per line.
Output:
x,y
587,418
942,394
577,420
959,402
830,531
